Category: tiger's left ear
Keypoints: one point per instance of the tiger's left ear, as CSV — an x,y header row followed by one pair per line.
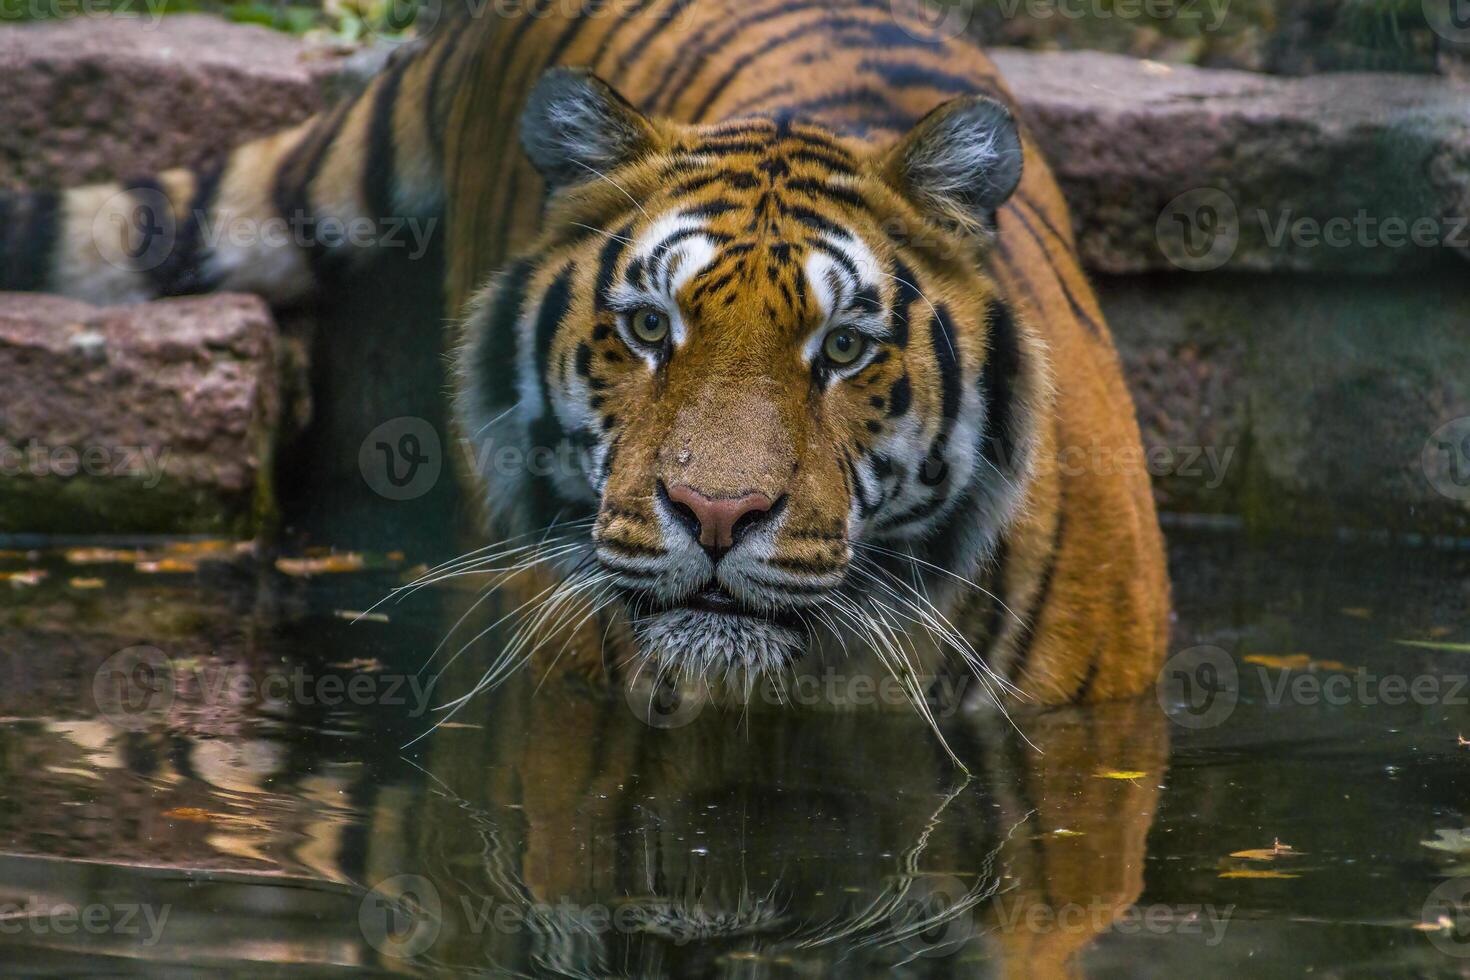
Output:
x,y
575,126
959,163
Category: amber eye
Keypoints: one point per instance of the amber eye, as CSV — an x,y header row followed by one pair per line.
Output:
x,y
844,346
649,325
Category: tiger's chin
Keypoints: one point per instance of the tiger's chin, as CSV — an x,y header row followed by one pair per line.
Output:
x,y
718,645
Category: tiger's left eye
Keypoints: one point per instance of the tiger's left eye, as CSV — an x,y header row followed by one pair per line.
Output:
x,y
844,346
649,325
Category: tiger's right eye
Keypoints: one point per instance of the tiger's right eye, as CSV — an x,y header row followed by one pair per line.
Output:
x,y
650,325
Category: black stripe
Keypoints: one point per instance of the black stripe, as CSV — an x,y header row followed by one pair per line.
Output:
x,y
1087,319
607,265
821,188
554,306
497,349
907,74
380,158
997,382
31,234
840,257
696,51
946,355
292,191
812,219
1038,605
903,304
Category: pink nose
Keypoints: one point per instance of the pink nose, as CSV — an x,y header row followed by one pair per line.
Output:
x,y
718,516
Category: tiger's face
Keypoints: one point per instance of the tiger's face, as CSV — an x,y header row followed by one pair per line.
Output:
x,y
772,356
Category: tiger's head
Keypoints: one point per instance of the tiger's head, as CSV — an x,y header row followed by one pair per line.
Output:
x,y
753,358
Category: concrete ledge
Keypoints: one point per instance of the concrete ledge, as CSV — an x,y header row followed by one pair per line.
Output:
x,y
160,417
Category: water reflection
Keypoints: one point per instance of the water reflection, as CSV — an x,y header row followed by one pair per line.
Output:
x,y
265,814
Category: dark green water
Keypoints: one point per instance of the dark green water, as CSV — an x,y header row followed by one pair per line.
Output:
x,y
241,802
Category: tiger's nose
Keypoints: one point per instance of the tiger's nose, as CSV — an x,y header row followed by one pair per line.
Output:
x,y
719,520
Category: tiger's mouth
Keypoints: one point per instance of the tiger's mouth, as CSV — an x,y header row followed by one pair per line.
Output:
x,y
714,599
712,630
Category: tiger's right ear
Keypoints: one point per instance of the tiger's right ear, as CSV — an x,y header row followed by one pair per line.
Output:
x,y
575,126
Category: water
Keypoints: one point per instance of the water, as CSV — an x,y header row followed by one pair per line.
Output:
x,y
228,802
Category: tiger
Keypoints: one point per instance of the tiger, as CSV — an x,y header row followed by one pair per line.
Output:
x,y
790,281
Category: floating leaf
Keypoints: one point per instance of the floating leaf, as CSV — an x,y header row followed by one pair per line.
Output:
x,y
31,576
1293,661
353,615
191,813
104,556
1276,850
1128,774
1256,873
1426,645
1358,612
324,565
359,663
85,583
395,556
166,566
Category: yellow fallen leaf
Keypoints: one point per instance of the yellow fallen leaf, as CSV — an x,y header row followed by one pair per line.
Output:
x,y
1293,661
1064,832
359,663
1129,774
1440,632
395,556
1276,850
1358,612
166,566
212,548
31,576
104,556
324,565
193,814
1255,873
85,583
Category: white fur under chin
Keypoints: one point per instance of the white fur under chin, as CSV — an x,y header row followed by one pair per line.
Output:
x,y
689,642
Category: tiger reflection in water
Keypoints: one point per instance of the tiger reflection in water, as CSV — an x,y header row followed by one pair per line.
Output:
x,y
770,843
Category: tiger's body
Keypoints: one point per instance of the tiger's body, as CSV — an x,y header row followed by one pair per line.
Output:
x,y
787,182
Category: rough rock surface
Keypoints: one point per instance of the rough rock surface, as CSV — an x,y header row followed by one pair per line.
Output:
x,y
157,417
1302,403
1127,138
96,99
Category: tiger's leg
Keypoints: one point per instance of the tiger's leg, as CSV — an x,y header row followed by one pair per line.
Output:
x,y
274,216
